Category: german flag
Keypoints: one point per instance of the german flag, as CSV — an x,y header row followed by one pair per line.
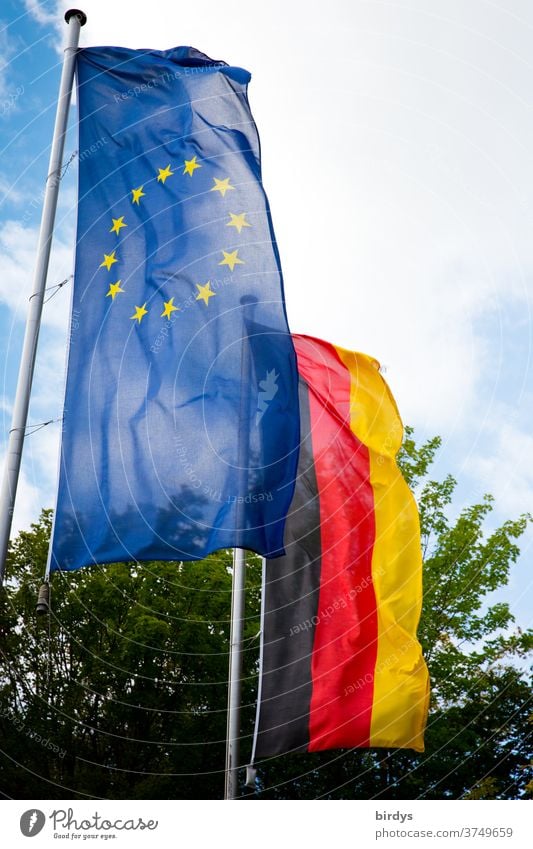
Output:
x,y
341,663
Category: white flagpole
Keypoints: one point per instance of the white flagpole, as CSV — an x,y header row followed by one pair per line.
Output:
x,y
235,675
239,574
251,772
75,19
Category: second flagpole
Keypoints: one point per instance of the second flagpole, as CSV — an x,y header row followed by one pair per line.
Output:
x,y
235,675
239,573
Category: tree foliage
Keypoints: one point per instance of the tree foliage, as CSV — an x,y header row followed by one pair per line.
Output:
x,y
121,692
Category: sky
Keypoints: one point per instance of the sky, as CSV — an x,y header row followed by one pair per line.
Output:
x,y
396,140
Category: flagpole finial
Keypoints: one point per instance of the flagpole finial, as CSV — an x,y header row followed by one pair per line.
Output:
x,y
76,13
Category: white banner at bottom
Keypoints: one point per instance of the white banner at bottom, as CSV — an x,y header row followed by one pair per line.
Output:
x,y
217,825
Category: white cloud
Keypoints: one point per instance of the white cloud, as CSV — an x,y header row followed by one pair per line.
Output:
x,y
41,13
17,266
8,49
29,501
28,505
38,478
507,470
48,385
8,191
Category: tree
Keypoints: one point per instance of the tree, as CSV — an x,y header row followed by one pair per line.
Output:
x,y
126,681
121,693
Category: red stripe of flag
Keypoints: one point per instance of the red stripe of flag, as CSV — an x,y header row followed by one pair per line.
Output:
x,y
345,643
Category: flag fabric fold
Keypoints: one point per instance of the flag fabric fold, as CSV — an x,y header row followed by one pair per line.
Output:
x,y
163,454
341,663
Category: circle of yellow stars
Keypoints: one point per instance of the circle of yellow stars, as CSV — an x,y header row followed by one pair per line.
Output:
x,y
238,220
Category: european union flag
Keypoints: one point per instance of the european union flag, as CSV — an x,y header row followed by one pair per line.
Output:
x,y
181,426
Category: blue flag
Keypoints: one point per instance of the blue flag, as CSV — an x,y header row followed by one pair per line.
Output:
x,y
181,424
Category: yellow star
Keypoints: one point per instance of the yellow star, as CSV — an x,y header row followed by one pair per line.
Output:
x,y
169,309
137,194
118,223
109,259
204,292
139,313
222,186
231,259
190,166
238,221
163,174
114,289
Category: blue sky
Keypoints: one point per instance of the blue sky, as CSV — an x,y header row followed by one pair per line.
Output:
x,y
396,144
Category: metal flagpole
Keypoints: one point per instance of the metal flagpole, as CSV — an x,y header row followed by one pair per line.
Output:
x,y
251,772
75,19
235,673
239,575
